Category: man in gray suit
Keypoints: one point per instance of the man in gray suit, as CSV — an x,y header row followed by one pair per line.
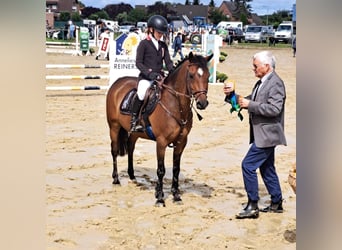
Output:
x,y
265,106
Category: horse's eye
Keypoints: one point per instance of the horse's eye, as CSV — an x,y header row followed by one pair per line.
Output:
x,y
191,76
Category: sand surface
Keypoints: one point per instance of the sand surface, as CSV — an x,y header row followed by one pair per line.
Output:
x,y
85,211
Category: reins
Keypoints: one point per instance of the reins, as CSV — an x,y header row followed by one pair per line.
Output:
x,y
181,122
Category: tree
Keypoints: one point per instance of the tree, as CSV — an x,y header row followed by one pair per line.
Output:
x,y
242,7
160,8
187,2
75,17
114,9
216,16
122,17
137,15
87,11
212,3
81,5
64,16
196,2
99,15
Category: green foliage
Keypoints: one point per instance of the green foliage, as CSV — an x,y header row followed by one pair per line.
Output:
x,y
75,17
222,53
64,16
221,77
243,19
122,17
91,50
212,3
102,14
276,18
216,16
137,15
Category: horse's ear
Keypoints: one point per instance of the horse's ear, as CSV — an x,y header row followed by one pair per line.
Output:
x,y
191,55
208,58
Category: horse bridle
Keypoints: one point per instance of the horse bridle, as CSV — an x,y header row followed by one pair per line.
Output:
x,y
195,94
192,96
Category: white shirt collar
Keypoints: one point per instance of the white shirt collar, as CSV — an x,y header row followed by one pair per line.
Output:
x,y
155,42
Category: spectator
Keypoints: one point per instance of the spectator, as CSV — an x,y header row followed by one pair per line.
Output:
x,y
177,46
72,29
294,46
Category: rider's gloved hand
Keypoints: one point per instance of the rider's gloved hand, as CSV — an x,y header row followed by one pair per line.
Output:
x,y
155,76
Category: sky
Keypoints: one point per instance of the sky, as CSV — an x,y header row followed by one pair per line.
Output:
x,y
261,7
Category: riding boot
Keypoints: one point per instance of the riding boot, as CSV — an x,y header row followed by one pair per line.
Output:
x,y
135,115
250,211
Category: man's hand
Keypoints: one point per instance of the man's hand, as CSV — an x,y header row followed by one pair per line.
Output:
x,y
228,88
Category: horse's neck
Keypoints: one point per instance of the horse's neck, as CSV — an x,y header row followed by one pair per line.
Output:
x,y
177,81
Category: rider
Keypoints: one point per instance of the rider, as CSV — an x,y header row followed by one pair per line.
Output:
x,y
151,53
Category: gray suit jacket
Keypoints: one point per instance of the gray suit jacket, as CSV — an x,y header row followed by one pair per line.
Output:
x,y
266,113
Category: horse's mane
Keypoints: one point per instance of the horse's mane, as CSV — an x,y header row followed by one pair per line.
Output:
x,y
195,59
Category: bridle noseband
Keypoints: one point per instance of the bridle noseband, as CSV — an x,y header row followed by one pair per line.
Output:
x,y
195,94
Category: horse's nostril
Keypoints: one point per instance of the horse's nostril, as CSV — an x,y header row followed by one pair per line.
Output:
x,y
202,105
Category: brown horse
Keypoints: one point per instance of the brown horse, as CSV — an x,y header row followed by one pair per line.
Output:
x,y
170,120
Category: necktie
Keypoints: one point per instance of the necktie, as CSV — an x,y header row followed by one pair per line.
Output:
x,y
256,88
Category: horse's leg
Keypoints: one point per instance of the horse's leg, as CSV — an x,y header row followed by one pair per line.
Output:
x,y
131,146
177,154
114,151
160,173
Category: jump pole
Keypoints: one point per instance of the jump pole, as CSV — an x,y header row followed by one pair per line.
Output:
x,y
77,87
62,77
75,66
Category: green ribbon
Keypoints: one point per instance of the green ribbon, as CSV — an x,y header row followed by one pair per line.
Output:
x,y
235,106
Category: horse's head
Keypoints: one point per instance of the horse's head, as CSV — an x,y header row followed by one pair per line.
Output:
x,y
198,78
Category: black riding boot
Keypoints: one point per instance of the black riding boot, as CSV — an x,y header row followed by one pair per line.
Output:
x,y
250,211
135,115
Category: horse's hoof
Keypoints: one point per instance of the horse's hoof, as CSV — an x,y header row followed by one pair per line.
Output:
x,y
133,180
116,182
160,203
178,201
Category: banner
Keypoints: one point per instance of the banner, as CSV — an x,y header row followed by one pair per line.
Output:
x,y
122,56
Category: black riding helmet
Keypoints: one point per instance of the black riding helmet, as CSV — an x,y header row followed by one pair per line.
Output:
x,y
159,23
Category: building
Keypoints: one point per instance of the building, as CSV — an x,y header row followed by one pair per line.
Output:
x,y
55,7
233,13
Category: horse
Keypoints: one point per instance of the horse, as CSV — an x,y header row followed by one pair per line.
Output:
x,y
169,122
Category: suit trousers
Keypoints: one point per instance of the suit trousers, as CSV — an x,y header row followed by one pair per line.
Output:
x,y
262,158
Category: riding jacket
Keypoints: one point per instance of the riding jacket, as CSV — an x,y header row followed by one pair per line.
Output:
x,y
149,59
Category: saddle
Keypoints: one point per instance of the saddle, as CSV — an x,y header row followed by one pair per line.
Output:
x,y
152,97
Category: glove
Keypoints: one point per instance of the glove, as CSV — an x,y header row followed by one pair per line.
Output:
x,y
154,76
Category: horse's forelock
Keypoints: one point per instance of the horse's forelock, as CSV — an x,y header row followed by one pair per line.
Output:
x,y
195,59
200,60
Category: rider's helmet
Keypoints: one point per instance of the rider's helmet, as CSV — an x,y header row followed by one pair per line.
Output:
x,y
159,23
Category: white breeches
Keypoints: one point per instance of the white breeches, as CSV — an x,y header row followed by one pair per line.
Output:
x,y
143,85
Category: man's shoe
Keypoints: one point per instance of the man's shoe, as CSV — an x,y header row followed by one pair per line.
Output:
x,y
274,208
250,211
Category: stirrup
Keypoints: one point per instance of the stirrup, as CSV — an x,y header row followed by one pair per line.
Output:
x,y
137,128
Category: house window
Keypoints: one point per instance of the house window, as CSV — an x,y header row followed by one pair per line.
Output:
x,y
74,8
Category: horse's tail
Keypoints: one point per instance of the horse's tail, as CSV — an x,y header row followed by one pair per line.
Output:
x,y
122,141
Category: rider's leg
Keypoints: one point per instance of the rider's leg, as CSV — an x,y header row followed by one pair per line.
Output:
x,y
143,85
